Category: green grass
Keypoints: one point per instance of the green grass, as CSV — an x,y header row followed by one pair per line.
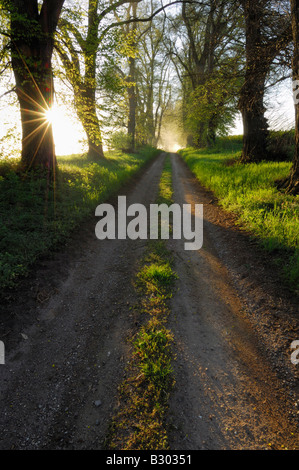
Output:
x,y
36,217
150,346
249,191
165,187
139,425
156,275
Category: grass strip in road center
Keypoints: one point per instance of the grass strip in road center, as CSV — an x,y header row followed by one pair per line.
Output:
x,y
144,394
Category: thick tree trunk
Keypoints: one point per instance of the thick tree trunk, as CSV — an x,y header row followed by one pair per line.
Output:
x,y
35,97
251,103
211,135
255,130
32,47
291,184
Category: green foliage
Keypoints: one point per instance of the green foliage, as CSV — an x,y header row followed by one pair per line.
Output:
x,y
157,277
211,108
35,219
249,191
120,141
9,144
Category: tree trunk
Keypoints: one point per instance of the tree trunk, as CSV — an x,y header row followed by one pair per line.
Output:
x,y
255,128
251,103
132,105
35,97
84,85
291,184
211,135
32,47
85,104
150,124
132,88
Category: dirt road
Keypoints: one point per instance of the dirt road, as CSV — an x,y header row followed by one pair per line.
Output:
x,y
66,339
228,394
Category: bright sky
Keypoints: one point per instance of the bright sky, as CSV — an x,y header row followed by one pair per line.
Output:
x,y
280,109
67,132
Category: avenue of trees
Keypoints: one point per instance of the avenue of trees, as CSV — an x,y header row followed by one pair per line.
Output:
x,y
206,60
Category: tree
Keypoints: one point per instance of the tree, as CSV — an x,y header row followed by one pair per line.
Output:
x,y
267,32
32,29
146,98
132,97
291,184
208,66
152,80
80,54
74,48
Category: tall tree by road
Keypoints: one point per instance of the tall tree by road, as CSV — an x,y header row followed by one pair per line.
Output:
x,y
208,50
294,179
267,32
291,184
79,50
32,28
132,28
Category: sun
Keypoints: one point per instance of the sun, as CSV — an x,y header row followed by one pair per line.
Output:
x,y
67,133
51,115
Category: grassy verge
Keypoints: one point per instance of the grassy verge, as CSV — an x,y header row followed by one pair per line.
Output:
x,y
249,191
139,424
35,218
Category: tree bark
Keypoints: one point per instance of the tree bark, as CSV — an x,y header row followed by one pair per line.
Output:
x,y
32,47
251,103
254,121
85,105
132,89
261,49
132,105
291,184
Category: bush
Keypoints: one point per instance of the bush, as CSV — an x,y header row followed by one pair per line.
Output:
x,y
281,145
120,141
